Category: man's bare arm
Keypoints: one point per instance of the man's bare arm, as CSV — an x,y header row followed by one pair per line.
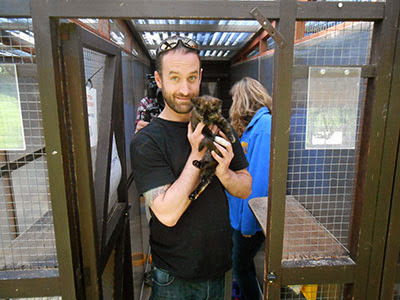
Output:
x,y
169,202
237,183
152,194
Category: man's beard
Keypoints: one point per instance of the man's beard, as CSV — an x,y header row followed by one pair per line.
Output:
x,y
170,100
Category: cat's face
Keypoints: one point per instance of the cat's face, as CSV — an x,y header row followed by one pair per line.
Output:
x,y
208,106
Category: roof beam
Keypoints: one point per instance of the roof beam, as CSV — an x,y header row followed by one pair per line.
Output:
x,y
15,26
212,58
205,47
138,37
196,28
193,9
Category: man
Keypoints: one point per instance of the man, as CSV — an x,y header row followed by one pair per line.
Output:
x,y
191,242
149,107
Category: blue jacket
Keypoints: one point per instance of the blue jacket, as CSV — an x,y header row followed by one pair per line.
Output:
x,y
255,141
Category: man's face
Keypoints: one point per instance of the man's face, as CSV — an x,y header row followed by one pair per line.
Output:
x,y
179,80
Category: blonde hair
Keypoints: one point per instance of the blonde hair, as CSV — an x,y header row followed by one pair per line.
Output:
x,y
248,96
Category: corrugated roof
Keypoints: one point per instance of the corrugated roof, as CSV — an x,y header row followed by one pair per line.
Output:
x,y
218,39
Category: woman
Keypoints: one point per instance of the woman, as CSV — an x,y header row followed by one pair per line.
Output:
x,y
251,118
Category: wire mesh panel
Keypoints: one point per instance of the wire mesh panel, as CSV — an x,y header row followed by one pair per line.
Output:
x,y
16,41
334,43
312,292
94,63
27,238
321,169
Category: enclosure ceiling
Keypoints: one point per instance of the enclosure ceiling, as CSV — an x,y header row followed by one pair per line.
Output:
x,y
218,39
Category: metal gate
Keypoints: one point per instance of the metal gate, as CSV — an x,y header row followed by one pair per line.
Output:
x,y
335,236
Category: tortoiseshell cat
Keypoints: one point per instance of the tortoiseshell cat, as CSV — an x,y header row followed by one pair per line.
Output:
x,y
208,109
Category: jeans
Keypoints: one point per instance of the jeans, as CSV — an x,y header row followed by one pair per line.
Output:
x,y
244,271
168,287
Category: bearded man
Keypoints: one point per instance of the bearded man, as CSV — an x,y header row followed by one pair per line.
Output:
x,y
191,242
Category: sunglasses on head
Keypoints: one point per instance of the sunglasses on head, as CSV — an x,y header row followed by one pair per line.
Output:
x,y
172,43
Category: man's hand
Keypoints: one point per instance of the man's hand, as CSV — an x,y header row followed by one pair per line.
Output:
x,y
141,124
237,183
225,160
195,137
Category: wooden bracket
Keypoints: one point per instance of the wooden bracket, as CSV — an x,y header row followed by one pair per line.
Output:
x,y
267,26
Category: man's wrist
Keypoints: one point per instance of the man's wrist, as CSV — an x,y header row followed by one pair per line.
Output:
x,y
195,155
226,176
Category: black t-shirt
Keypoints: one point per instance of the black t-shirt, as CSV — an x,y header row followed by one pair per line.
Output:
x,y
199,246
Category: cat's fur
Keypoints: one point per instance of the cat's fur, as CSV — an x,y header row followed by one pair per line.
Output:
x,y
207,109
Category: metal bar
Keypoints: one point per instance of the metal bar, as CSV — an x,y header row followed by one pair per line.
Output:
x,y
30,287
104,149
128,272
282,93
114,219
189,9
16,164
76,93
196,28
267,26
119,129
367,204
119,264
123,267
52,113
367,71
319,275
9,197
118,220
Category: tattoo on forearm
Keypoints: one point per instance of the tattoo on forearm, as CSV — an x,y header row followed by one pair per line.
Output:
x,y
152,194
